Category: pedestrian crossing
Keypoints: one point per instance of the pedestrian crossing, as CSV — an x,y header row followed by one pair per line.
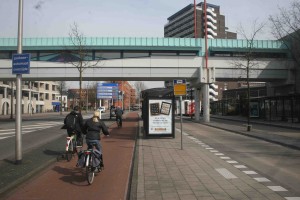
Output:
x,y
7,133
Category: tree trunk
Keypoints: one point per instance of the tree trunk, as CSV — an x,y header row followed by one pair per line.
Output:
x,y
80,87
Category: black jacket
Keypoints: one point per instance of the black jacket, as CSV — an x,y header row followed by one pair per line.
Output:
x,y
79,123
92,129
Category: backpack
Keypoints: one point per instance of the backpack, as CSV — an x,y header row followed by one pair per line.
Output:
x,y
71,121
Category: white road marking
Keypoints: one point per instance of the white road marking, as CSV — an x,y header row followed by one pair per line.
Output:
x,y
7,133
225,157
262,179
240,166
219,154
277,188
214,151
232,161
249,172
227,174
292,198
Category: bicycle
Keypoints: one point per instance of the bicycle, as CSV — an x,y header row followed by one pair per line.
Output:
x,y
90,168
119,122
71,148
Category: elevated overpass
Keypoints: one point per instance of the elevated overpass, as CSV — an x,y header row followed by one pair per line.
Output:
x,y
151,59
148,59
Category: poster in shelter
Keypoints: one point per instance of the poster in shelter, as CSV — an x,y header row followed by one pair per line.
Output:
x,y
160,116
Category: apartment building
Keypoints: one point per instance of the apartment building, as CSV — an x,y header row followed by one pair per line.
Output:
x,y
37,96
181,25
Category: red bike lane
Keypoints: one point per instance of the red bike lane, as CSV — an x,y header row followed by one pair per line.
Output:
x,y
63,180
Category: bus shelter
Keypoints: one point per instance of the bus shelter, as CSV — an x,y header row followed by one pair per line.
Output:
x,y
158,106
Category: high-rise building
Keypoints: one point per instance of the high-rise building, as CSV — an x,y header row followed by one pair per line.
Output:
x,y
181,24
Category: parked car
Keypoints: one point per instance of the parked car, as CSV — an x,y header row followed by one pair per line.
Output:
x,y
101,109
136,107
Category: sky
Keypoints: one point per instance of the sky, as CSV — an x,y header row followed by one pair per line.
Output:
x,y
123,18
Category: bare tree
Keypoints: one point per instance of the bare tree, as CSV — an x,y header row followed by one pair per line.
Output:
x,y
62,87
80,56
247,62
286,27
92,94
139,86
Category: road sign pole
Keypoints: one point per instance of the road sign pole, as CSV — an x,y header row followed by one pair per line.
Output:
x,y
18,91
180,100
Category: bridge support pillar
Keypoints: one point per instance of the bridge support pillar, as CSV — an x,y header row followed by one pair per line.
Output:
x,y
206,106
197,104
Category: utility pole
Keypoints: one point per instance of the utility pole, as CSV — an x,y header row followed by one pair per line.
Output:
x,y
18,91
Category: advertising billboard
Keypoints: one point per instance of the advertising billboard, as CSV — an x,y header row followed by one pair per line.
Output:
x,y
160,116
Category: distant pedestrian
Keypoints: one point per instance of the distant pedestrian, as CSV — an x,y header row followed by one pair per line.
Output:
x,y
201,111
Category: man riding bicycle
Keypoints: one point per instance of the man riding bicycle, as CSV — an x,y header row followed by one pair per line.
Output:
x,y
74,123
119,112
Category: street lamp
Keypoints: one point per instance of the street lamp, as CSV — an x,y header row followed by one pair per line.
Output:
x,y
18,126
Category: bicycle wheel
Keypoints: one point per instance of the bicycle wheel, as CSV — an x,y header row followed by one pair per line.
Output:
x,y
90,174
69,155
119,123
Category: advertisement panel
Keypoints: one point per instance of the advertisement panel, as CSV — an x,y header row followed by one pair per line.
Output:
x,y
160,116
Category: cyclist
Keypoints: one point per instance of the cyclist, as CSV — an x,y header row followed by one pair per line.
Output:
x,y
119,112
92,129
74,123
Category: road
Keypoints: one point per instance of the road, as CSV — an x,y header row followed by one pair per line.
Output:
x,y
36,131
277,163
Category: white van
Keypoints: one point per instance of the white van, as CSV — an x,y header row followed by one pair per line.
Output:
x,y
101,109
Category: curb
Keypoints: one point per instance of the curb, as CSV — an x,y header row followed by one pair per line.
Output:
x,y
253,136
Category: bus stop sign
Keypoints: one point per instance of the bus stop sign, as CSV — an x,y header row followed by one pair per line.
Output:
x,y
179,87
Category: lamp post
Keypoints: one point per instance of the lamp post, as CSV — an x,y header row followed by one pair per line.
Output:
x,y
18,126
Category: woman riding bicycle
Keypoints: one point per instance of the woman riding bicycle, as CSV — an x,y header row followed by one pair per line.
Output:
x,y
92,129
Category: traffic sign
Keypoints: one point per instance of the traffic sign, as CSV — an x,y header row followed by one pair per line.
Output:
x,y
21,63
107,90
179,87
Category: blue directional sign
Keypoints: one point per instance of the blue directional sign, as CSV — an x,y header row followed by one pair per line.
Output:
x,y
21,63
107,90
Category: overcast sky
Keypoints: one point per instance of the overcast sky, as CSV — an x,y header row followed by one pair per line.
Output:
x,y
127,18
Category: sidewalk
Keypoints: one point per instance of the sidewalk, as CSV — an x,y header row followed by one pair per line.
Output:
x,y
198,171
